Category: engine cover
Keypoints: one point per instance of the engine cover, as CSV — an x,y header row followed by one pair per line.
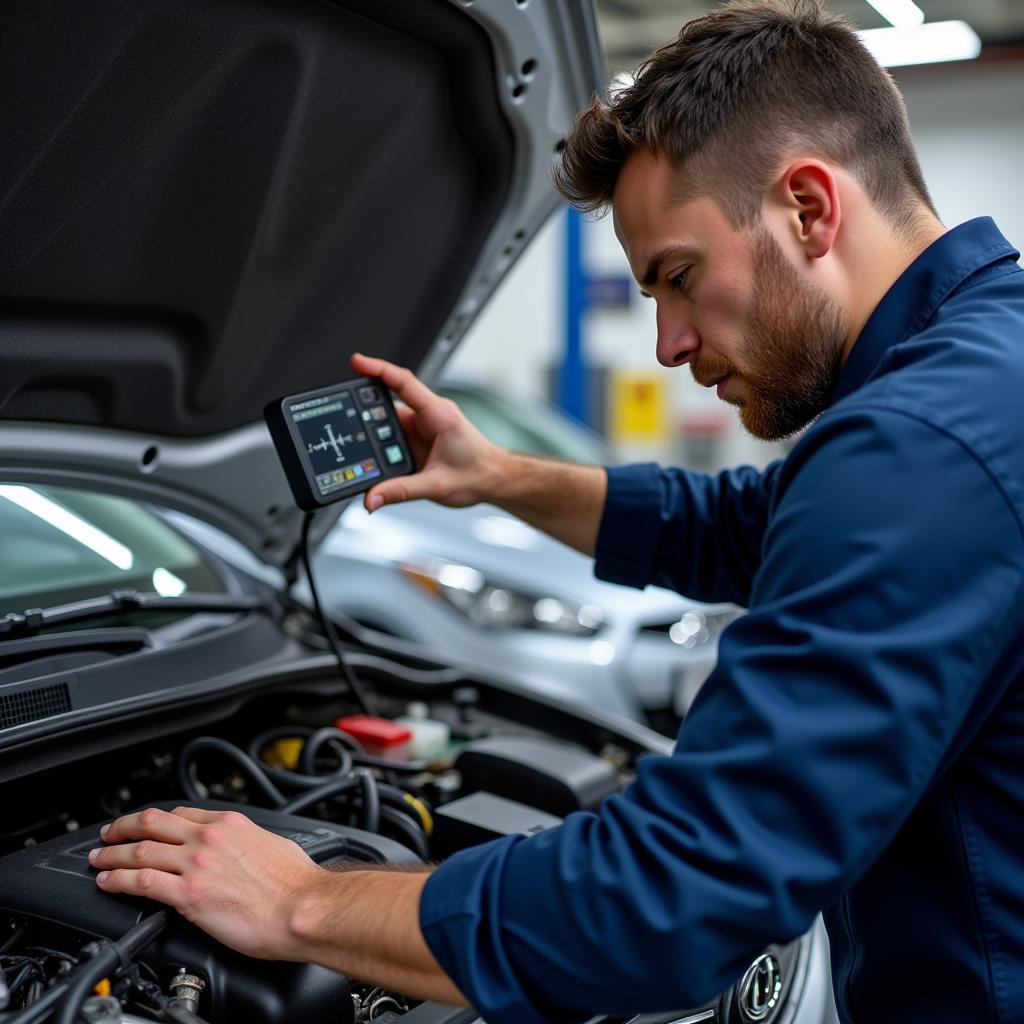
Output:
x,y
52,886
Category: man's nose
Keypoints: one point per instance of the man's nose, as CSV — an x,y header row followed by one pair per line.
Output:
x,y
677,342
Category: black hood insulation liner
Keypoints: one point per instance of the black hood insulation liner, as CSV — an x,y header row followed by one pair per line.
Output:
x,y
207,203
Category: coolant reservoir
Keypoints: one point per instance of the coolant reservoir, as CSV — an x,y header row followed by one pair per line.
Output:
x,y
430,738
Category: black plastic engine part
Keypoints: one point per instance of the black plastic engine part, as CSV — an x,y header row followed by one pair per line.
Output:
x,y
551,776
483,816
431,1013
52,887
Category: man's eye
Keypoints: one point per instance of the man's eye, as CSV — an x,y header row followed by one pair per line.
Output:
x,y
678,282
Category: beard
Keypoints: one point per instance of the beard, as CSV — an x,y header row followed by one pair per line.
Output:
x,y
792,345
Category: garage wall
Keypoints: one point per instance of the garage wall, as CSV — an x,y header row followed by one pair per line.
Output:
x,y
968,122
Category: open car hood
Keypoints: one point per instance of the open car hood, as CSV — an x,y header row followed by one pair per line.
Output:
x,y
207,204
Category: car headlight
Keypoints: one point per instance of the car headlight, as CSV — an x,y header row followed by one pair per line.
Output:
x,y
497,606
694,628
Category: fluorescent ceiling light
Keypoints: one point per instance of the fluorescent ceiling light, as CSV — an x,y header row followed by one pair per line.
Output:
x,y
930,43
67,522
167,584
901,13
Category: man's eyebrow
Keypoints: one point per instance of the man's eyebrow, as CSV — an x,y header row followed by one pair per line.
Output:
x,y
655,262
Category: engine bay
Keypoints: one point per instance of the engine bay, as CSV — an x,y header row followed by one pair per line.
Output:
x,y
508,765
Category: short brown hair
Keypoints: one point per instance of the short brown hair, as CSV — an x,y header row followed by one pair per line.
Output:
x,y
737,91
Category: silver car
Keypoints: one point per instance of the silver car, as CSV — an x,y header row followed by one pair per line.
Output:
x,y
485,590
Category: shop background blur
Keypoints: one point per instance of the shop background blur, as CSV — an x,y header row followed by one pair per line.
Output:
x,y
968,123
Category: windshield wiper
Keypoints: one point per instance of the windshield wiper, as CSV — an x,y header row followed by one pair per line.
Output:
x,y
34,620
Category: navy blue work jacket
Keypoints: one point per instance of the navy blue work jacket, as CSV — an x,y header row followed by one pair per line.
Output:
x,y
859,748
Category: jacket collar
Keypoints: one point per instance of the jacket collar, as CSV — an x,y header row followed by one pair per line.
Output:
x,y
961,256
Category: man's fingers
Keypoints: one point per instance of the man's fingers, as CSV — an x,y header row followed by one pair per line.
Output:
x,y
154,885
196,814
147,854
151,823
402,381
405,488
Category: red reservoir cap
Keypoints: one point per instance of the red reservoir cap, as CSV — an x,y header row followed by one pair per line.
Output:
x,y
375,734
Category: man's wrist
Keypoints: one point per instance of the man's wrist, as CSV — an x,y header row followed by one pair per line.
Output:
x,y
364,922
308,915
512,477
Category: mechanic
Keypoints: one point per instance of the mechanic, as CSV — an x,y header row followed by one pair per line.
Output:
x,y
857,751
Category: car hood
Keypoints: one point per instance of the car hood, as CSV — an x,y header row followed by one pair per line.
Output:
x,y
207,204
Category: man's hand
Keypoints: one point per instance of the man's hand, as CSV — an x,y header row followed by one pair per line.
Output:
x,y
458,466
260,894
220,870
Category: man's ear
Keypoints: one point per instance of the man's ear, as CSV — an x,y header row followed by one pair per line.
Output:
x,y
808,193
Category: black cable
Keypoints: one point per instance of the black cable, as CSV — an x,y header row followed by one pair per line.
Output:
x,y
416,840
11,939
395,797
329,737
370,812
314,788
139,937
285,777
109,956
25,971
35,990
326,791
346,669
189,777
41,1008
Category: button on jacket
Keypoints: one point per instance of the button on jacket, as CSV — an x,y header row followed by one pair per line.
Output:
x,y
859,748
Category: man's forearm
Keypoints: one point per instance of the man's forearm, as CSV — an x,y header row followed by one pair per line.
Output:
x,y
561,498
366,925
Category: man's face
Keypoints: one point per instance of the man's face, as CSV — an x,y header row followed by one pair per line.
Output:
x,y
729,303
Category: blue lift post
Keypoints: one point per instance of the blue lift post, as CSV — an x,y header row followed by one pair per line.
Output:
x,y
572,374
573,379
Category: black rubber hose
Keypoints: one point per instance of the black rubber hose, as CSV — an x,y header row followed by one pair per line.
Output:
x,y
284,777
335,740
25,971
314,788
11,939
41,1009
395,797
370,812
195,790
412,836
109,956
325,791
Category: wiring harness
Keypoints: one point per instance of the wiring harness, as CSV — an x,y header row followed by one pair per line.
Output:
x,y
331,769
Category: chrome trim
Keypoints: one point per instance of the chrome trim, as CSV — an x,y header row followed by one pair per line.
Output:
x,y
757,1003
693,1018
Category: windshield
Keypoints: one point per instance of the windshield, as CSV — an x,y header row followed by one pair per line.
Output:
x,y
60,544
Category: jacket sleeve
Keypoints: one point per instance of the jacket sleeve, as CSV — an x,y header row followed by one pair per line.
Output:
x,y
697,534
872,644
